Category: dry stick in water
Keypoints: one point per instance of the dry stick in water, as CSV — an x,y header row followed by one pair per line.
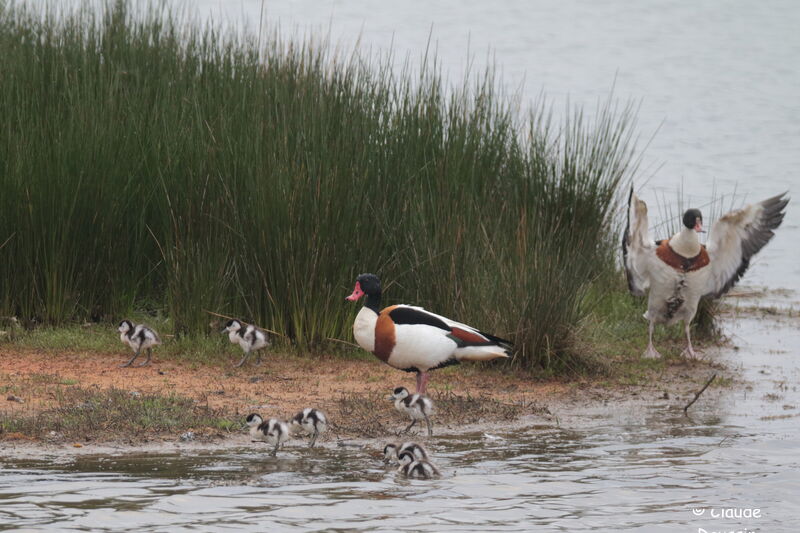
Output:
x,y
696,396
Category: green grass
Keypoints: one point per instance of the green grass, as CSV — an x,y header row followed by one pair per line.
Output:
x,y
103,338
613,335
152,166
94,414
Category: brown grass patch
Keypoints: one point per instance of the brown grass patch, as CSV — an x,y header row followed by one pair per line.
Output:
x,y
353,392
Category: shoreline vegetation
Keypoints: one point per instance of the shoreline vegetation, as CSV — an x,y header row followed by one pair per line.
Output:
x,y
82,398
157,170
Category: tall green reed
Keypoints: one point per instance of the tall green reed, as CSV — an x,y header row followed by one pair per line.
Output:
x,y
145,160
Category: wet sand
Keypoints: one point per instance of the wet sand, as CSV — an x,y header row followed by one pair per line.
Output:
x,y
352,391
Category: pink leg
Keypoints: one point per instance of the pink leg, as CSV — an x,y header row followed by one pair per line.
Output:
x,y
422,382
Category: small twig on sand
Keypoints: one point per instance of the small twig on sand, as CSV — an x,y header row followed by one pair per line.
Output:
x,y
696,396
343,342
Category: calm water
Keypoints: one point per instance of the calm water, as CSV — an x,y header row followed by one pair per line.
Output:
x,y
719,87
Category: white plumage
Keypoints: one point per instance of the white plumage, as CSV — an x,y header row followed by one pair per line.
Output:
x,y
415,340
413,467
312,421
416,406
138,338
249,338
680,271
273,431
392,451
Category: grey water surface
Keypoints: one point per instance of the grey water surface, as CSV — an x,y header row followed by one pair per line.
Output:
x,y
718,89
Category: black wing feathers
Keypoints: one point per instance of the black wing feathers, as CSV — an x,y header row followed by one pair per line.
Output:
x,y
409,315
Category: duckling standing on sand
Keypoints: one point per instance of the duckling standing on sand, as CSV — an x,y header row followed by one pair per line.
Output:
x,y
250,338
138,337
417,406
392,451
311,421
419,468
273,431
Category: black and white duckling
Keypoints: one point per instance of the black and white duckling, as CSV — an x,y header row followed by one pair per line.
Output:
x,y
273,431
417,406
412,467
138,337
311,421
392,451
250,338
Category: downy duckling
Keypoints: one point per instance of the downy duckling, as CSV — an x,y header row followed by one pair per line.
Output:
x,y
250,338
417,406
392,451
273,431
416,468
138,337
311,421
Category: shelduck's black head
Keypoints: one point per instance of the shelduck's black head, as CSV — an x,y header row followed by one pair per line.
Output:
x,y
125,326
693,219
369,285
253,419
366,284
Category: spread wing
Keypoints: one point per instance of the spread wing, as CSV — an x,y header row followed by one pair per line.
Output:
x,y
737,237
637,246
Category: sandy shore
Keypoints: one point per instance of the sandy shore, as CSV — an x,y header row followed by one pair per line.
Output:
x,y
352,391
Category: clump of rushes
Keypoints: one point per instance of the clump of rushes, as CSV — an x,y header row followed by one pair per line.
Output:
x,y
146,159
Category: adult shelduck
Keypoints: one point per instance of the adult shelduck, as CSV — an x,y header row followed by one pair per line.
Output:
x,y
273,431
416,406
250,338
415,340
311,421
138,337
679,271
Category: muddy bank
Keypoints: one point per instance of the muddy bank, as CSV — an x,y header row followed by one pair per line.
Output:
x,y
56,390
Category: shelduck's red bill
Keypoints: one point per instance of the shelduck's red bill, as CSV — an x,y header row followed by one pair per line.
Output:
x,y
699,227
357,293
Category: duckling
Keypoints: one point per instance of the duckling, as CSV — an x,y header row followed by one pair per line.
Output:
x,y
310,420
392,451
253,421
273,431
412,467
417,406
138,337
250,338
